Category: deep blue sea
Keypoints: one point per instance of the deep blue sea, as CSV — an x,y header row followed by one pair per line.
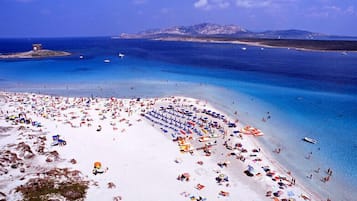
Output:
x,y
306,93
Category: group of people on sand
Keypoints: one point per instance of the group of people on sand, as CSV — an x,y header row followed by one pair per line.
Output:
x,y
326,178
329,174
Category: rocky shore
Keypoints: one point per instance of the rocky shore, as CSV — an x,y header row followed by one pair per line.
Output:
x,y
34,54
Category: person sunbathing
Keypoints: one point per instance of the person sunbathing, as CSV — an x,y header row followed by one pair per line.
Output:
x,y
97,171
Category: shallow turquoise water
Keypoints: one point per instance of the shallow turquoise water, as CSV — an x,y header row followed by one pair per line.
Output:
x,y
306,93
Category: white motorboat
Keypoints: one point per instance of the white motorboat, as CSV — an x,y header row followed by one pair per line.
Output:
x,y
310,140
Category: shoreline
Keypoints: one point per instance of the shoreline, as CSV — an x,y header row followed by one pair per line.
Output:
x,y
273,161
242,42
309,166
137,110
225,104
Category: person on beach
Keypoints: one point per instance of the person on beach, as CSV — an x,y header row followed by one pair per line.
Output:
x,y
324,179
309,156
329,172
277,150
318,170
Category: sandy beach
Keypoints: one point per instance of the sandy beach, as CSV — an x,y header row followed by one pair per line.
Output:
x,y
167,148
260,44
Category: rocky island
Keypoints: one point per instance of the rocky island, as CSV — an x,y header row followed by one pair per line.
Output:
x,y
36,52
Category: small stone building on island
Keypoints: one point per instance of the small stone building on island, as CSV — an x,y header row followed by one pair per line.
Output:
x,y
36,47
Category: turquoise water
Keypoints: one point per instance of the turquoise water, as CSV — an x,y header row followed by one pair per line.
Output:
x,y
306,93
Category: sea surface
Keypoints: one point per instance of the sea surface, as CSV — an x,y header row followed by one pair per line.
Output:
x,y
288,94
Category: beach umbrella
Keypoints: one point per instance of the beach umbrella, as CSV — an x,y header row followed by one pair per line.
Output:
x,y
97,165
278,193
222,176
251,169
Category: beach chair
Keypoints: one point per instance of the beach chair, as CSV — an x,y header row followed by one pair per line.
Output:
x,y
97,171
199,186
57,141
62,142
224,193
55,137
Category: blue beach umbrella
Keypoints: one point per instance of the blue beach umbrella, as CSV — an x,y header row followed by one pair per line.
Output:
x,y
251,169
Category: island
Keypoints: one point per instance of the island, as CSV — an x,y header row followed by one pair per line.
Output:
x,y
36,52
298,44
214,33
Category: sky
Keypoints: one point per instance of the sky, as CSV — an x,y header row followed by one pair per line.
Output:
x,y
68,18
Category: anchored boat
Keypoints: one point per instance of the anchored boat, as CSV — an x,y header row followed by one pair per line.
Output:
x,y
310,140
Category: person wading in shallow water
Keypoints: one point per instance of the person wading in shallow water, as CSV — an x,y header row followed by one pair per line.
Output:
x,y
309,156
277,150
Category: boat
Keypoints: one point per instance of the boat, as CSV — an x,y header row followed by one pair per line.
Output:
x,y
244,48
106,61
121,55
310,140
81,57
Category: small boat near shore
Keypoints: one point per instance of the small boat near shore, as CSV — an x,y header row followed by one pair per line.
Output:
x,y
310,140
106,61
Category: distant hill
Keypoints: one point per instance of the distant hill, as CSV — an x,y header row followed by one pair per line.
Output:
x,y
207,33
204,29
209,30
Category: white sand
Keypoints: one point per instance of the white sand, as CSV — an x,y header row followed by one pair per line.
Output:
x,y
140,158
